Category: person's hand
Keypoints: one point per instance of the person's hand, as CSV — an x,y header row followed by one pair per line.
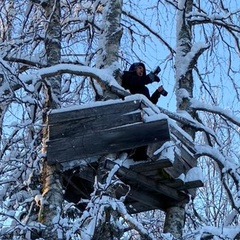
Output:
x,y
156,78
160,89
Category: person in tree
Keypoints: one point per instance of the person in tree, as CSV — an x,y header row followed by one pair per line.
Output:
x,y
136,79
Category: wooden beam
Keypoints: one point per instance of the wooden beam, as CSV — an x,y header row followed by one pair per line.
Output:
x,y
92,124
191,184
107,141
187,156
140,201
97,110
139,198
147,166
189,144
132,177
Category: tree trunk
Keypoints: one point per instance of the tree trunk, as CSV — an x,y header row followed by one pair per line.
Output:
x,y
51,206
111,37
109,42
175,216
2,110
174,221
112,33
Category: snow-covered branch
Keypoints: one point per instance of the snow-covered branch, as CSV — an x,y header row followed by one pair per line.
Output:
x,y
217,110
189,121
216,19
226,165
104,76
188,61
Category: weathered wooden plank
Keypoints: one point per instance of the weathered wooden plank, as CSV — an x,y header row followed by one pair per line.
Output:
x,y
129,175
140,201
189,144
86,111
152,174
145,167
180,185
177,183
187,156
184,153
192,184
173,183
177,169
179,165
137,200
145,104
88,173
91,124
107,141
152,149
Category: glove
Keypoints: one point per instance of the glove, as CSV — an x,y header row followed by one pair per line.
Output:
x,y
153,77
156,78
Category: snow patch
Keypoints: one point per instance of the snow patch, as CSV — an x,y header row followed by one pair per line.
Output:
x,y
194,174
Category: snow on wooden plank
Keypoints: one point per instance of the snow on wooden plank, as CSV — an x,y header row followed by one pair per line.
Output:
x,y
92,110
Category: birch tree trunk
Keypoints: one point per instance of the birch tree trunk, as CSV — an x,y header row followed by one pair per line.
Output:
x,y
109,44
111,35
175,216
2,110
110,41
51,207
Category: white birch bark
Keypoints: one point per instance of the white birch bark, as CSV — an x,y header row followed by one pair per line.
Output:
x,y
112,31
2,110
175,216
109,42
50,210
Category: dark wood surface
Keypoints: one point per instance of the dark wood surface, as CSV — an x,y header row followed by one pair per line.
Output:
x,y
106,141
92,124
147,192
82,134
98,110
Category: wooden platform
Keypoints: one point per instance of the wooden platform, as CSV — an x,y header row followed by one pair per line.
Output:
x,y
79,133
151,187
80,136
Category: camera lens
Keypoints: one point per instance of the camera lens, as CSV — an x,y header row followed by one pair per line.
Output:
x,y
164,93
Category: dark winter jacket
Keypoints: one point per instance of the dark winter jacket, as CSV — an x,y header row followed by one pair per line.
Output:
x,y
136,84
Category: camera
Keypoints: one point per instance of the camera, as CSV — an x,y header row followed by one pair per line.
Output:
x,y
164,93
157,70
